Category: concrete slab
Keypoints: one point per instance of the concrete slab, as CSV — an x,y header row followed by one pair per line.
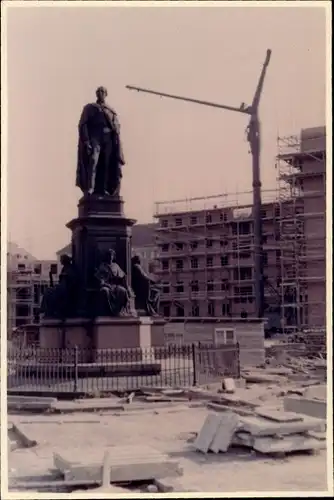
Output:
x,y
207,433
297,442
86,405
127,463
311,407
278,415
316,392
226,429
262,378
235,409
259,426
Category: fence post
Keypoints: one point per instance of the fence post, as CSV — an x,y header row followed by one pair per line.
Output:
x,y
76,361
193,352
238,359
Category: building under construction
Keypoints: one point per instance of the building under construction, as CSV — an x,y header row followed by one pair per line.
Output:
x,y
27,279
206,254
206,246
301,165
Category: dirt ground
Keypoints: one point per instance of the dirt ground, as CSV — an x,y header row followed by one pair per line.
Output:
x,y
165,430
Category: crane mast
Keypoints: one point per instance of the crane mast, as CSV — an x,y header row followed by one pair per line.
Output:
x,y
254,139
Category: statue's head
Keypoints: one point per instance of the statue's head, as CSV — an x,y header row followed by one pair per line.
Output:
x,y
101,94
135,259
65,260
109,255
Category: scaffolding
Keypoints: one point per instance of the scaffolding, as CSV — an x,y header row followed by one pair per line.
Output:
x,y
213,238
24,293
301,187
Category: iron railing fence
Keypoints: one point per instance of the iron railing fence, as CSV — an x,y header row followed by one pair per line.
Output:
x,y
86,371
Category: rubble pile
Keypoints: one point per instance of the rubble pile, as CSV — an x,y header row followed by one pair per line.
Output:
x,y
268,431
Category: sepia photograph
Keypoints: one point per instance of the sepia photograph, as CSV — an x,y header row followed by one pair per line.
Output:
x,y
166,249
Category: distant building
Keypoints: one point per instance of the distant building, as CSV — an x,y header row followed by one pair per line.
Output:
x,y
302,174
27,278
206,257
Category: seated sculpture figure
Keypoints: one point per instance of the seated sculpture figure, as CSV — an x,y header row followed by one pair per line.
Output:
x,y
59,300
147,292
113,289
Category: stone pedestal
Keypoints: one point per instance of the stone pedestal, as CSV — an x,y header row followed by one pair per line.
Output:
x,y
129,338
100,225
54,334
157,332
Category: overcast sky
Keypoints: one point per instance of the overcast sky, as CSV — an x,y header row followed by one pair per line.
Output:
x,y
58,56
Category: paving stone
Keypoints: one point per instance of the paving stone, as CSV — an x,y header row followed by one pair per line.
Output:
x,y
259,426
207,432
127,463
224,434
278,415
311,407
293,442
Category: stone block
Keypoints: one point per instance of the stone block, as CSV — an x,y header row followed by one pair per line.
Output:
x,y
259,426
207,433
316,392
223,438
228,385
127,463
291,443
278,415
312,407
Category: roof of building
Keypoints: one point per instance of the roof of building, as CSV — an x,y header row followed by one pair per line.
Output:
x,y
15,249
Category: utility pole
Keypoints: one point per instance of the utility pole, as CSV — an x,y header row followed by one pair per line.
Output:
x,y
254,140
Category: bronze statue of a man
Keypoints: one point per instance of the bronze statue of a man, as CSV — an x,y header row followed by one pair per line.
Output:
x,y
112,286
100,154
147,291
60,300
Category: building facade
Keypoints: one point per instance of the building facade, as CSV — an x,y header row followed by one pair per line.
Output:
x,y
27,278
206,257
302,181
205,246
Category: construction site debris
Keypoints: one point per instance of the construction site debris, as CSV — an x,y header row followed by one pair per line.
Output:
x,y
18,437
278,415
127,463
228,385
235,409
272,433
316,392
261,426
312,407
225,431
293,442
207,433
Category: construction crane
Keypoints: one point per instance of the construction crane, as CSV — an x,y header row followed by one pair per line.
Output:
x,y
253,134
